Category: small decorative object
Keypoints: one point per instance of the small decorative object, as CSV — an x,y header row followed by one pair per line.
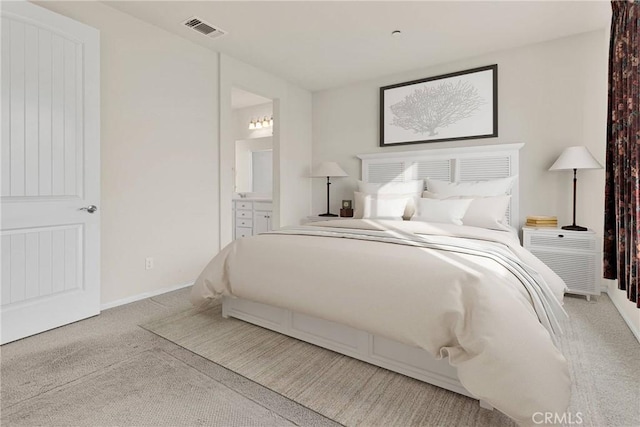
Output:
x,y
328,170
575,158
462,105
346,211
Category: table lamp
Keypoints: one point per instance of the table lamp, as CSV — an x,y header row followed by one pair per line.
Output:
x,y
328,170
575,158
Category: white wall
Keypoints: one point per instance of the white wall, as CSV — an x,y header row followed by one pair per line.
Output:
x,y
551,95
291,143
159,152
628,310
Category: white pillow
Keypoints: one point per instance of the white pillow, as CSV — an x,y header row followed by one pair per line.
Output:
x,y
411,189
487,212
374,207
483,212
359,202
494,187
449,211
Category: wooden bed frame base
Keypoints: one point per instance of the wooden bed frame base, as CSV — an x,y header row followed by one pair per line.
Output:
x,y
392,355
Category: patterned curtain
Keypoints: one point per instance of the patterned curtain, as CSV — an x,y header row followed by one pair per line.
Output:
x,y
622,190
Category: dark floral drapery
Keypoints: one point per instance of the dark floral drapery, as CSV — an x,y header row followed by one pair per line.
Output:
x,y
622,189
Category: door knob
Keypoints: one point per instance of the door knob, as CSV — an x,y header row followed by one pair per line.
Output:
x,y
91,208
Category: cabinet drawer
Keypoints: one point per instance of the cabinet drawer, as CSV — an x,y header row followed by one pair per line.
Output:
x,y
263,206
560,240
244,222
243,232
240,214
243,205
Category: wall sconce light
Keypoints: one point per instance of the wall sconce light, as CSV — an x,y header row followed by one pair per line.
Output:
x,y
265,122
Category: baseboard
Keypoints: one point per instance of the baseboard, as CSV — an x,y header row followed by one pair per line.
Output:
x,y
143,295
628,321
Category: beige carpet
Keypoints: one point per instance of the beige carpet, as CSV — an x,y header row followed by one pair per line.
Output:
x,y
356,393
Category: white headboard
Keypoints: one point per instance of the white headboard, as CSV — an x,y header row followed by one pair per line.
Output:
x,y
477,163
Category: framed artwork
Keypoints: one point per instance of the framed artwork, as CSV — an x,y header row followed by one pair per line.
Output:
x,y
455,106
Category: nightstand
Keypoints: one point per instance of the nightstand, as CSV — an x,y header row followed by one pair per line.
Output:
x,y
572,255
316,218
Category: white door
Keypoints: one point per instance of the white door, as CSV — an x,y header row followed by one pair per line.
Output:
x,y
50,170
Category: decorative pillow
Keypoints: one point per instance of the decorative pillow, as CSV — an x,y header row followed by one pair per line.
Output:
x,y
449,211
411,189
484,212
377,207
494,187
410,203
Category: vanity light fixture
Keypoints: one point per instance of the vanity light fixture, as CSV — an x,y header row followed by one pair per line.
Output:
x,y
258,123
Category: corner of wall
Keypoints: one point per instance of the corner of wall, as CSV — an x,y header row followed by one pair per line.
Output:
x,y
628,310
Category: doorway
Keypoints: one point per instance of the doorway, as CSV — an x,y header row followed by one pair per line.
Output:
x,y
252,118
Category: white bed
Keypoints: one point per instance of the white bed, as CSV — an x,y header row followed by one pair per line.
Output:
x,y
362,334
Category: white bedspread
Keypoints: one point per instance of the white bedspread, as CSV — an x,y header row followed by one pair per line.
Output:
x,y
469,307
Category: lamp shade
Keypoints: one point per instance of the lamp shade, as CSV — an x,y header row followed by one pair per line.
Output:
x,y
578,157
326,169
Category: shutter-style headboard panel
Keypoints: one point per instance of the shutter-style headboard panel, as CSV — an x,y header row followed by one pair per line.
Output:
x,y
386,172
478,163
435,169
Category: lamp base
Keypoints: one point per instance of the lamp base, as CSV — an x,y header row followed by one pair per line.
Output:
x,y
574,228
328,214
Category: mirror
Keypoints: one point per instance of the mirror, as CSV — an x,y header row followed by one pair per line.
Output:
x,y
254,166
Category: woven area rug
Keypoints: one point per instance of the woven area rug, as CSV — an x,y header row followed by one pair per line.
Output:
x,y
149,389
355,393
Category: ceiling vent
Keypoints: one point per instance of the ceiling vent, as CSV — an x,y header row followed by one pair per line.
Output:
x,y
204,28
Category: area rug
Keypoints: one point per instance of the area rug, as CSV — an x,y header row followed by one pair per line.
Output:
x,y
148,389
355,393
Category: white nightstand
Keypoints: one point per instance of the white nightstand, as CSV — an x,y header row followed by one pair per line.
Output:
x,y
316,218
573,255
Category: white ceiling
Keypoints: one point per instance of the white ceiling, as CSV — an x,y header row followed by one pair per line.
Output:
x,y
241,99
319,45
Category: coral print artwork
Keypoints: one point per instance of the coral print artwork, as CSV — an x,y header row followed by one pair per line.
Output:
x,y
455,106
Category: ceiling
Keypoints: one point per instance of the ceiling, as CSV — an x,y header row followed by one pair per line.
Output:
x,y
324,44
241,99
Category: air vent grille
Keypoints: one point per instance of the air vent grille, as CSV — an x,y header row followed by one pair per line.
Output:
x,y
204,28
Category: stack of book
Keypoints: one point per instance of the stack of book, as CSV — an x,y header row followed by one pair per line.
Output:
x,y
542,221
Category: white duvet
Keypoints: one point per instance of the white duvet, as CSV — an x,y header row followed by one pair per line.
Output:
x,y
467,307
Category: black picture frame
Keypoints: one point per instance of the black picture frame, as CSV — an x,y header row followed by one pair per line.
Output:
x,y
478,116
